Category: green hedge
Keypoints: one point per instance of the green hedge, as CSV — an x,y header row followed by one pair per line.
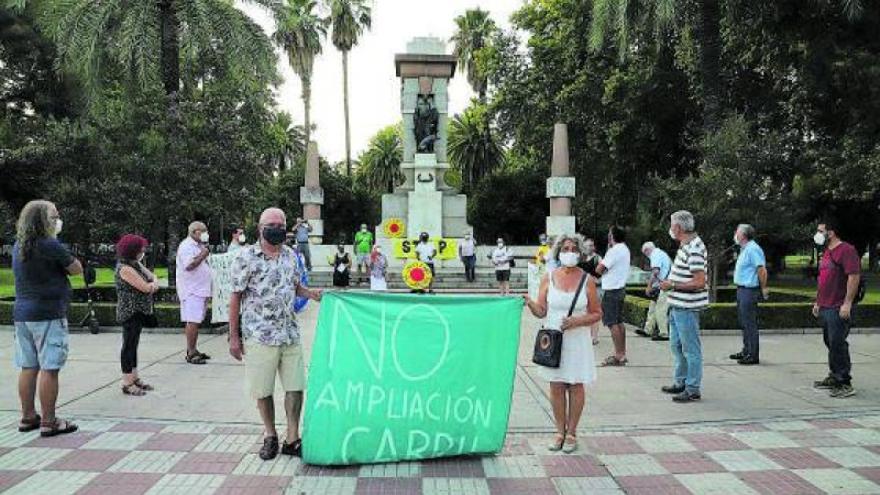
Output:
x,y
722,316
168,315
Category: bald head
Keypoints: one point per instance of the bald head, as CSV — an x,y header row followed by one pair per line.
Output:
x,y
273,216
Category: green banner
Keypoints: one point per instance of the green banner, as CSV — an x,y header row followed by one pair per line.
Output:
x,y
403,377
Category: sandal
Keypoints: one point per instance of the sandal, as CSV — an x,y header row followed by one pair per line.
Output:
x,y
556,446
294,449
269,449
571,443
613,361
144,386
195,358
133,389
56,427
26,425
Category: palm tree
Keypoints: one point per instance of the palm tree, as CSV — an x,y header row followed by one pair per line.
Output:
x,y
299,32
149,41
475,29
474,150
620,16
380,163
291,141
349,19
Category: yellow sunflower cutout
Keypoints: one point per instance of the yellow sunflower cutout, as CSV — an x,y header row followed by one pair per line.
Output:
x,y
394,228
417,275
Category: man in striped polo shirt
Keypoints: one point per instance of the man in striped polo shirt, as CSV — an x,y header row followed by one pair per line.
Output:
x,y
688,295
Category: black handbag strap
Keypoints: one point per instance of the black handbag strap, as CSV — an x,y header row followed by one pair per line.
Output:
x,y
577,294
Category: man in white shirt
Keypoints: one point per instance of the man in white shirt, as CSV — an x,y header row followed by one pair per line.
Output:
x,y
425,252
467,251
501,257
614,270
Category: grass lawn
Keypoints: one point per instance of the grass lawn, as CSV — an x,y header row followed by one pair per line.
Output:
x,y
105,278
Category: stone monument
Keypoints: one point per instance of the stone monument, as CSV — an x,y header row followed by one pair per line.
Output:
x,y
560,186
311,195
424,201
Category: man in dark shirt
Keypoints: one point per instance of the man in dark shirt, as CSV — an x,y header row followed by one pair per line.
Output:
x,y
839,274
41,266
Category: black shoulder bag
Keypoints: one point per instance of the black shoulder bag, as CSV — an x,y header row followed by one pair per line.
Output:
x,y
548,342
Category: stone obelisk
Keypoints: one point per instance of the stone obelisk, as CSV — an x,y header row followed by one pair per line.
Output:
x,y
560,186
311,195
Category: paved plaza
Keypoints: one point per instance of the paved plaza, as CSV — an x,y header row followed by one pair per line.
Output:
x,y
758,429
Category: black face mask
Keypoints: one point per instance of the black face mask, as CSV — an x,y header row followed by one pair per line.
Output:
x,y
274,235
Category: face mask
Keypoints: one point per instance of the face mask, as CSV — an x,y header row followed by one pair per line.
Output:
x,y
58,224
735,239
140,257
274,235
568,259
205,237
467,237
500,244
341,249
378,250
242,239
363,229
820,239
543,242
671,234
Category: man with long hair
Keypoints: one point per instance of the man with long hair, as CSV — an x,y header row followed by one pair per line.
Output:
x,y
41,266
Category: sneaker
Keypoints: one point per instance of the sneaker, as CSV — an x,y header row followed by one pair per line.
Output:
x,y
828,382
748,361
737,356
642,333
841,391
673,389
686,397
269,450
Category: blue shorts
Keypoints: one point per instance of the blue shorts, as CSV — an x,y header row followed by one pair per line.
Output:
x,y
41,344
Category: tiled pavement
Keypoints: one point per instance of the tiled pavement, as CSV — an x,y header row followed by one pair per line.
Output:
x,y
800,457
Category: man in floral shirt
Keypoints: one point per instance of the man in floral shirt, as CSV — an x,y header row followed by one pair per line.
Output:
x,y
265,283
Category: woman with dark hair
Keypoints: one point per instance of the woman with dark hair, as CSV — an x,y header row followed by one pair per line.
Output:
x,y
341,267
135,286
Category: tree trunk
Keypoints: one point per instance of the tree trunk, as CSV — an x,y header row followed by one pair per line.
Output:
x,y
709,34
345,103
307,104
170,66
170,46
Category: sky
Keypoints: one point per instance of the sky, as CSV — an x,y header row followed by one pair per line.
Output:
x,y
374,90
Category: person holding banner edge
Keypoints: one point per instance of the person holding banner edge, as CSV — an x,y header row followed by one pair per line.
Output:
x,y
264,275
577,366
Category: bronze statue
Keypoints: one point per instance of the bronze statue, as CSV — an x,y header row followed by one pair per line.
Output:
x,y
425,120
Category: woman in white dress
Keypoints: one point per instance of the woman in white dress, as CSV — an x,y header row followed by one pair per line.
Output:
x,y
578,364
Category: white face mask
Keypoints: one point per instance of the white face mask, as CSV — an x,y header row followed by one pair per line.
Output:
x,y
204,237
671,233
242,239
735,239
378,250
58,224
500,244
569,259
140,257
820,239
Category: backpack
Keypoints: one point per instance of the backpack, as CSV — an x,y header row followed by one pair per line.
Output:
x,y
863,285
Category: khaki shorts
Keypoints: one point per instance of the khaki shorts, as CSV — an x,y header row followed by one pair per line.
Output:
x,y
263,362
